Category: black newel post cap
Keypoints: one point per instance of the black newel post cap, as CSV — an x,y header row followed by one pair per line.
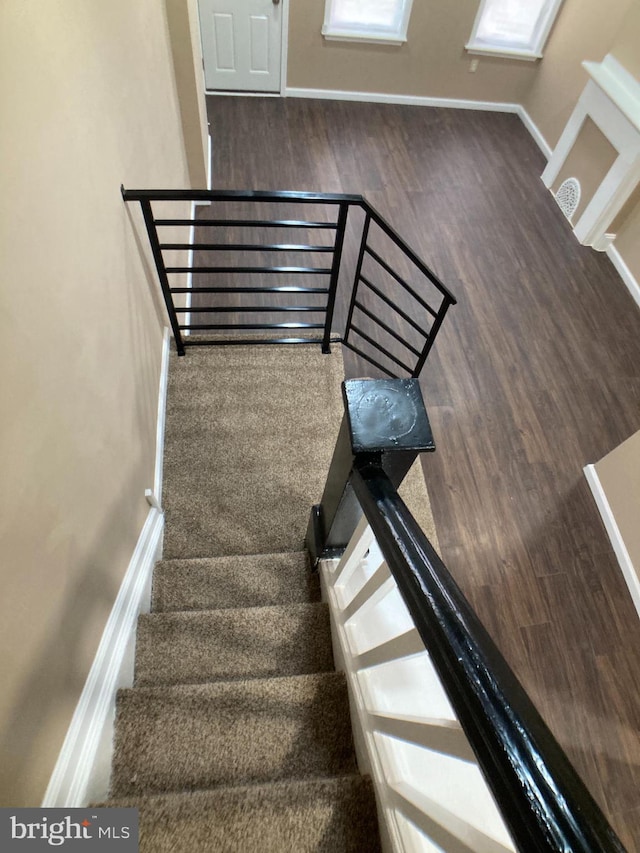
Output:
x,y
386,414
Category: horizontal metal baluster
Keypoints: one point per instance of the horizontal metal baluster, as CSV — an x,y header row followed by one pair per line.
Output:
x,y
233,342
399,279
398,311
246,270
368,358
283,289
249,223
388,329
226,326
245,247
379,347
231,309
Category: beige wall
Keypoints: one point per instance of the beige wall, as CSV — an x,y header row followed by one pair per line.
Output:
x,y
584,29
433,62
186,46
589,161
626,47
619,474
628,234
88,101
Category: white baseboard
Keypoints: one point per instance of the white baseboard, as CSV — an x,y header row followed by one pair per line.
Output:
x,y
161,418
83,768
209,161
240,94
632,283
624,559
411,100
82,771
189,284
535,132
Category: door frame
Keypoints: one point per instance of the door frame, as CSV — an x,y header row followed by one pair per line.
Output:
x,y
284,52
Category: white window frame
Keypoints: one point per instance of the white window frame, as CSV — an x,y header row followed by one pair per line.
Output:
x,y
363,33
531,52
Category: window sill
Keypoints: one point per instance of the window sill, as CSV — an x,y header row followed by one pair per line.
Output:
x,y
503,52
363,36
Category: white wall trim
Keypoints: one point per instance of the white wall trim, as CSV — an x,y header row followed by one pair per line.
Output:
x,y
189,282
209,159
162,409
411,100
632,283
406,734
613,531
284,46
240,94
368,757
598,103
82,771
535,132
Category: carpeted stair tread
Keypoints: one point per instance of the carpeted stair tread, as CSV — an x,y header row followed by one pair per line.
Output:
x,y
251,642
237,581
234,732
306,816
249,437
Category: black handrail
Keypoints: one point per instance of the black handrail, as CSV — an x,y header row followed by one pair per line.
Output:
x,y
543,801
241,195
344,202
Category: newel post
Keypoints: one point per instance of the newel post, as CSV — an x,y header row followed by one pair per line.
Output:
x,y
385,419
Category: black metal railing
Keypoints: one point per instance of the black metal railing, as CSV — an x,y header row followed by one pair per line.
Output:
x,y
420,317
391,321
544,803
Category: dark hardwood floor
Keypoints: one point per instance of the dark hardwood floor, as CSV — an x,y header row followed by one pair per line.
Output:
x,y
535,374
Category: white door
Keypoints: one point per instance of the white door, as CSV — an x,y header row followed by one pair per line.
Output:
x,y
241,44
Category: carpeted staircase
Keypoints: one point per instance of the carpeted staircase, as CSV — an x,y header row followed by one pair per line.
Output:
x,y
236,734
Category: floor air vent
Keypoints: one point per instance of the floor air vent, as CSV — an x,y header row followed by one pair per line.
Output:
x,y
568,196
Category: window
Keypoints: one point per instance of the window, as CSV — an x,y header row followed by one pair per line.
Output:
x,y
367,20
515,28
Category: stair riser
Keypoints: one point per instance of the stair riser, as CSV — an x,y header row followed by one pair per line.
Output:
x,y
225,582
317,816
244,732
189,648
